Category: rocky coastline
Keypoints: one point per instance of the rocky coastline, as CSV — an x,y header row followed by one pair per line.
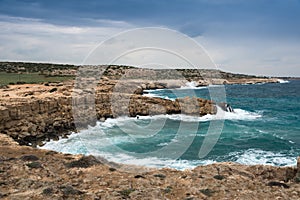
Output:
x,y
31,114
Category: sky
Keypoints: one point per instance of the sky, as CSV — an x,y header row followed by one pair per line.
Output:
x,y
259,37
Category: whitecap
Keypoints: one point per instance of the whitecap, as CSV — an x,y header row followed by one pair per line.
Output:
x,y
282,81
162,144
189,85
238,114
154,162
257,156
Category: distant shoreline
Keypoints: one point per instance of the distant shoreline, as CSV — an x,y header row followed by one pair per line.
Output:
x,y
18,64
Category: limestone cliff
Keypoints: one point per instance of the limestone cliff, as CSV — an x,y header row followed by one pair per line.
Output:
x,y
33,113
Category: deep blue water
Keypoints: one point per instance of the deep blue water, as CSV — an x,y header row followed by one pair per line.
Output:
x,y
265,129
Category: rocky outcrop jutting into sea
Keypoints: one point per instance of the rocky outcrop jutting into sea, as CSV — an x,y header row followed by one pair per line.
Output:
x,y
36,112
33,113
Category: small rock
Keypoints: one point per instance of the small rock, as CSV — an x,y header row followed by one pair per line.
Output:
x,y
189,198
102,119
139,176
2,195
112,169
69,190
48,191
161,176
125,193
29,158
207,192
84,162
219,177
34,165
51,152
139,90
168,189
53,90
279,184
297,178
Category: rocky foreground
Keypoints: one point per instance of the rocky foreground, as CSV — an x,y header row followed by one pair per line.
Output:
x,y
29,173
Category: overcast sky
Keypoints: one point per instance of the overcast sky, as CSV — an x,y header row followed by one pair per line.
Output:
x,y
245,36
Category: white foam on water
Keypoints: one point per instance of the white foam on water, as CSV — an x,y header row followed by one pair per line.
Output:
x,y
162,144
257,156
77,147
72,145
154,161
260,83
150,95
282,81
108,124
86,140
190,85
159,96
238,114
99,143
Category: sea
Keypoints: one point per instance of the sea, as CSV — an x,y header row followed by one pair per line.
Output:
x,y
263,129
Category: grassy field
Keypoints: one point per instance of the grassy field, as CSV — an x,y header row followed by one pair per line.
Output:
x,y
14,78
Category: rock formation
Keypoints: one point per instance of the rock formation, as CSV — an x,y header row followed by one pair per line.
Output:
x,y
33,113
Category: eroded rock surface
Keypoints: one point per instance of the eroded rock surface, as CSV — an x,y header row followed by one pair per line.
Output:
x,y
33,113
55,178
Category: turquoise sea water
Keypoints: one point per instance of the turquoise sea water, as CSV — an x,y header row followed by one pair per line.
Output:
x,y
264,129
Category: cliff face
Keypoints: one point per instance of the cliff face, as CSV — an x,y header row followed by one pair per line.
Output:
x,y
33,113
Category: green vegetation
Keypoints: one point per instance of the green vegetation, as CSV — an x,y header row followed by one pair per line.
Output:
x,y
43,68
19,78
